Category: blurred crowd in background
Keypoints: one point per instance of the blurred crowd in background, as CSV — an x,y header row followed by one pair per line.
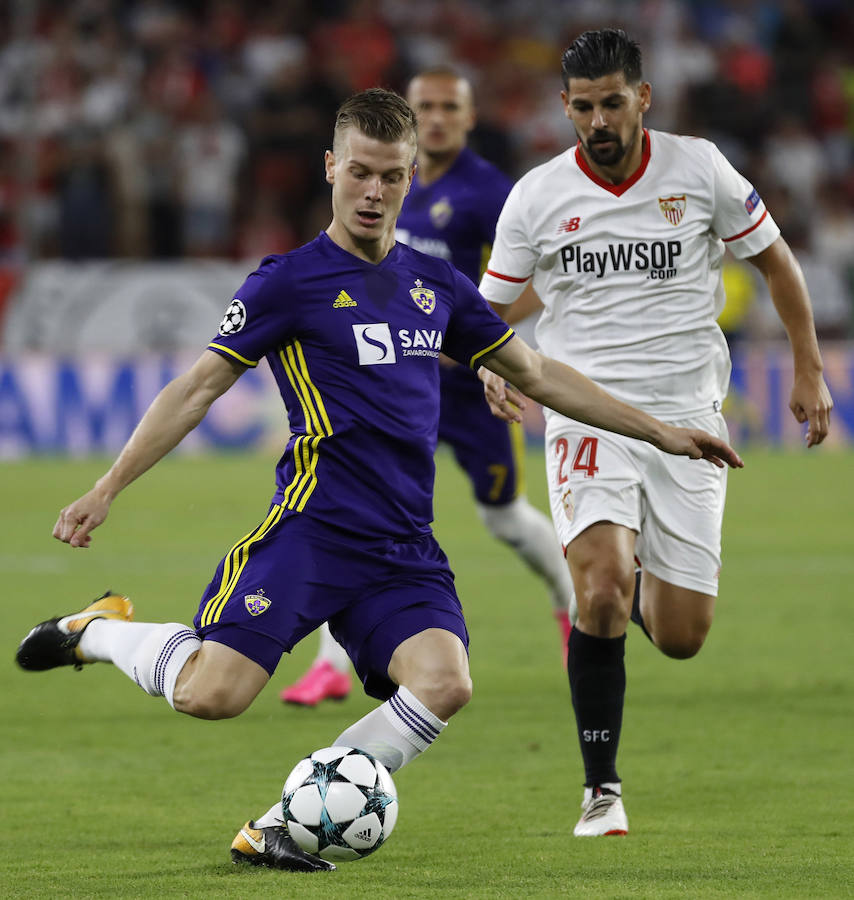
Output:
x,y
161,130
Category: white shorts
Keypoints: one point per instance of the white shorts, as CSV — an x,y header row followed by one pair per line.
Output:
x,y
675,504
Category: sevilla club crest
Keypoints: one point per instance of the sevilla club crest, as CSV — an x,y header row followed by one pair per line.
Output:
x,y
673,208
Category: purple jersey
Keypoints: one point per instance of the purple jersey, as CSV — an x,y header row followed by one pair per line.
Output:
x,y
354,349
454,217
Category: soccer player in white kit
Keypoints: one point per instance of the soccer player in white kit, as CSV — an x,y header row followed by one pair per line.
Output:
x,y
623,236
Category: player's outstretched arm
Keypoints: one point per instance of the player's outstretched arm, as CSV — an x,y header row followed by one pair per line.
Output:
x,y
810,400
173,414
567,391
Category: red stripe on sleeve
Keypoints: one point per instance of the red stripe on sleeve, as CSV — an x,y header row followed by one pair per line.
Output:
x,y
507,277
735,237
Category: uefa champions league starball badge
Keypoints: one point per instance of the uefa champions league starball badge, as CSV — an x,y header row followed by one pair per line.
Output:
x,y
234,318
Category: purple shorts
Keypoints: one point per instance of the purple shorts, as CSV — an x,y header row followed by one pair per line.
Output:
x,y
488,450
293,573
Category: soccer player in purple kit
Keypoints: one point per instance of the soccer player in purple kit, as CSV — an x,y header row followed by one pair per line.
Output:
x,y
351,325
450,212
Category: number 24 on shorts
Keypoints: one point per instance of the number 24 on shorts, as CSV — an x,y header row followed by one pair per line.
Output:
x,y
583,461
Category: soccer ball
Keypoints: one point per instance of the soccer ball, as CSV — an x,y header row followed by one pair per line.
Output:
x,y
339,803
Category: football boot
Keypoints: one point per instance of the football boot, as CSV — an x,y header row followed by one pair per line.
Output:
x,y
602,813
274,848
55,642
321,682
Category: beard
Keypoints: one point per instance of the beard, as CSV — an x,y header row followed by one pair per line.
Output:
x,y
610,155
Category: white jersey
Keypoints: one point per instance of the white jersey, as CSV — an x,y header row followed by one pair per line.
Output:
x,y
630,274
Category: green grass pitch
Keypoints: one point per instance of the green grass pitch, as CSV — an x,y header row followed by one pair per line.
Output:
x,y
737,765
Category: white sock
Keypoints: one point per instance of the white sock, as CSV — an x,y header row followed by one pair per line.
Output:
x,y
396,732
331,651
531,534
272,817
150,653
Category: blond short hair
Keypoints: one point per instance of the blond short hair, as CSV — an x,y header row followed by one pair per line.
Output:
x,y
379,114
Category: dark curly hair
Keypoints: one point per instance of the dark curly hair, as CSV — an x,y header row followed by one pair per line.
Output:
x,y
594,54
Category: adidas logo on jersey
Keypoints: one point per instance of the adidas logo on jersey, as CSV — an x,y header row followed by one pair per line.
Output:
x,y
342,300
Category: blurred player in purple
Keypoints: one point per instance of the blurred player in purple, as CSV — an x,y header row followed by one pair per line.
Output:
x,y
450,212
351,326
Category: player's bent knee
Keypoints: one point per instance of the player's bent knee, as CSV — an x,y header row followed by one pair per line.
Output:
x,y
218,683
443,693
458,694
678,632
605,606
679,650
209,704
683,645
206,698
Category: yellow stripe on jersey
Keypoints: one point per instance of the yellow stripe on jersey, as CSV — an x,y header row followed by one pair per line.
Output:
x,y
305,478
298,476
310,450
317,425
505,337
289,361
237,356
316,394
233,566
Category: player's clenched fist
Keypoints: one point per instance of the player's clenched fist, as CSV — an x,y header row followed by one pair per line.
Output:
x,y
77,520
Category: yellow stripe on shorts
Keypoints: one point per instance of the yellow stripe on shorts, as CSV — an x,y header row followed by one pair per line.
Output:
x,y
517,448
234,564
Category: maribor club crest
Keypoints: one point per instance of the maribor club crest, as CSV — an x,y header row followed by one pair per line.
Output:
x,y
424,298
257,603
441,212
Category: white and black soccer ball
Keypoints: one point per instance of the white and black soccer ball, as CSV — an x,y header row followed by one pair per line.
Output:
x,y
339,804
234,318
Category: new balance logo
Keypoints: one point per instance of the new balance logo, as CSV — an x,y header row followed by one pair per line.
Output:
x,y
568,225
342,300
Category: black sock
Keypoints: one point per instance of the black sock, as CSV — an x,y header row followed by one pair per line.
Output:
x,y
597,680
636,616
